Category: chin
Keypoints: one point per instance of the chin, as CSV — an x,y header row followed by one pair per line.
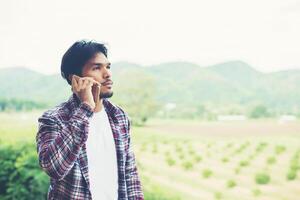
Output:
x,y
105,95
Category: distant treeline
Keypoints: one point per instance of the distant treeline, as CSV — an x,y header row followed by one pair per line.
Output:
x,y
20,105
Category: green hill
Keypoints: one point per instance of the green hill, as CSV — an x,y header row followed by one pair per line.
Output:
x,y
183,83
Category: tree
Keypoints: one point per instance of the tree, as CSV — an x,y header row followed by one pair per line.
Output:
x,y
259,111
136,94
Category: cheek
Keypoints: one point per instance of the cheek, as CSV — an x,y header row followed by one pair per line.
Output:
x,y
96,76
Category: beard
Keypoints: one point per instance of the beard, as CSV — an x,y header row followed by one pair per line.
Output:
x,y
105,95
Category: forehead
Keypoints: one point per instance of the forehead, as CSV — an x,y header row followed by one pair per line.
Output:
x,y
98,58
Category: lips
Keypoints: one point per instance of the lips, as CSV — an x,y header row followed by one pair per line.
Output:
x,y
107,83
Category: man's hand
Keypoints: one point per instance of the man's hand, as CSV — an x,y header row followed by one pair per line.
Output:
x,y
87,90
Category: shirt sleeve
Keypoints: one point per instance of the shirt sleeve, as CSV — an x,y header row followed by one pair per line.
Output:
x,y
133,183
58,144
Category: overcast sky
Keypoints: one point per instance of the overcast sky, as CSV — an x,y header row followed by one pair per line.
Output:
x,y
263,33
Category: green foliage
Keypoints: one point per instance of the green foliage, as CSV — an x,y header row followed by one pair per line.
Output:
x,y
178,148
154,148
187,165
21,177
197,158
218,195
259,111
143,91
136,95
8,157
244,163
20,105
153,191
279,149
237,170
192,152
206,173
170,161
291,175
262,178
271,160
260,147
231,183
256,192
181,156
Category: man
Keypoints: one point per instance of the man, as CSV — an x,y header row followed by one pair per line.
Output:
x,y
84,143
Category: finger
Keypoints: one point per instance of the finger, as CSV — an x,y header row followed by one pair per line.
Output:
x,y
74,84
89,84
98,94
91,79
80,84
76,77
85,83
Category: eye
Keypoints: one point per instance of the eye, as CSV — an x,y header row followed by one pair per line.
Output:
x,y
96,68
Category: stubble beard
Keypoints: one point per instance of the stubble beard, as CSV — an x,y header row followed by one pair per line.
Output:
x,y
104,95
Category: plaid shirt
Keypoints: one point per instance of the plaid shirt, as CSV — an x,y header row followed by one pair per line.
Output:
x,y
61,139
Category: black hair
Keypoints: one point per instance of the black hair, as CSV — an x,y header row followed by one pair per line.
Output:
x,y
77,55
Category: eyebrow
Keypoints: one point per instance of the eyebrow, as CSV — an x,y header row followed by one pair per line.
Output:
x,y
101,64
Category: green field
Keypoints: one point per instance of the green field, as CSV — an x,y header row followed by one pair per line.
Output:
x,y
191,160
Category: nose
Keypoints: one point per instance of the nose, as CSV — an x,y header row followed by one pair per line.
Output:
x,y
106,73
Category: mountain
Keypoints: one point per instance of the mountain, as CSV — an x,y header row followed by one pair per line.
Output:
x,y
183,83
25,84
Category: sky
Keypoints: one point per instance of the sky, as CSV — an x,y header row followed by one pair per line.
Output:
x,y
264,33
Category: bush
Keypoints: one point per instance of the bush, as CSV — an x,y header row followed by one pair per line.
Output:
x,y
170,161
291,175
181,156
271,160
218,195
279,149
154,191
237,170
231,183
21,176
256,192
197,158
262,178
187,165
225,159
244,163
8,157
154,148
28,181
206,173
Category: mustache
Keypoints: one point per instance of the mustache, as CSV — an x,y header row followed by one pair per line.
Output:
x,y
106,81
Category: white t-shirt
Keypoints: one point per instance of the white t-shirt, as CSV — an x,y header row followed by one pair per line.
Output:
x,y
102,158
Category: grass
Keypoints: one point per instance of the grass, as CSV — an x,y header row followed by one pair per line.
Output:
x,y
198,163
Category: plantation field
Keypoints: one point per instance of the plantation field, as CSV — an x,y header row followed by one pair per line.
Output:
x,y
222,160
184,159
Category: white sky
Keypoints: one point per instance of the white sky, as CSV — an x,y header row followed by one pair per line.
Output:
x,y
263,33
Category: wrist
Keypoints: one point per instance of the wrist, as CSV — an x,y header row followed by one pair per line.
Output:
x,y
92,106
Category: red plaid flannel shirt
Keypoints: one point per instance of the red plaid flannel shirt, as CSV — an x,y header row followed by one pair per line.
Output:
x,y
61,139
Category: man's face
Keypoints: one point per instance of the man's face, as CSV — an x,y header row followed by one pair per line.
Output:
x,y
98,68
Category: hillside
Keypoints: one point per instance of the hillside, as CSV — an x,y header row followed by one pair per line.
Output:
x,y
183,83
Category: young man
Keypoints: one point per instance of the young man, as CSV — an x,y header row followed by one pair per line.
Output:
x,y
84,143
